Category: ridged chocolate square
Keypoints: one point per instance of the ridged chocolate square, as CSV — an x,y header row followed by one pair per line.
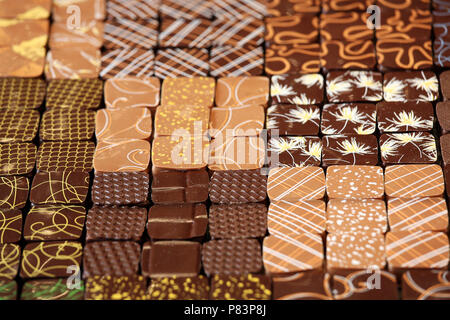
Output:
x,y
61,156
64,124
18,125
17,158
21,93
74,93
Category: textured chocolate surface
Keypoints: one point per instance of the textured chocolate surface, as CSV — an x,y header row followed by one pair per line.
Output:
x,y
295,151
230,9
179,288
51,289
405,116
18,125
445,84
292,7
349,119
238,221
414,147
354,86
111,258
231,257
115,223
293,119
21,93
17,158
9,260
297,89
245,287
10,225
223,186
350,150
30,9
74,93
13,192
60,156
59,187
50,259
120,188
426,285
192,120
64,124
443,115
345,5
445,149
171,258
126,33
180,62
54,222
177,221
307,285
230,61
183,33
127,62
130,287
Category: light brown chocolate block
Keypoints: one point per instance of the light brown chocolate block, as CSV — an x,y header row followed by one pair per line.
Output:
x,y
237,121
284,253
89,10
22,61
180,153
296,217
90,33
73,63
236,153
297,183
126,155
355,182
179,120
417,250
25,9
131,92
15,32
240,91
349,215
426,214
415,180
355,250
196,91
120,124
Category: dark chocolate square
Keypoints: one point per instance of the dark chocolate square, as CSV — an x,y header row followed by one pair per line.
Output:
x,y
408,147
234,61
21,93
17,158
405,116
276,8
349,118
126,33
346,5
9,260
18,125
299,58
74,93
442,52
13,192
180,62
129,287
445,84
307,285
294,151
411,86
345,25
297,89
10,225
350,150
293,120
354,86
341,54
183,33
247,31
412,23
294,29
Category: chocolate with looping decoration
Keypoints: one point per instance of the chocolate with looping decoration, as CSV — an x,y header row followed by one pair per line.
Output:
x,y
307,285
426,285
341,54
10,226
13,192
299,58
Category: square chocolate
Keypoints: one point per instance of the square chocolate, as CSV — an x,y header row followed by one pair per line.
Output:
x,y
27,9
18,125
236,121
127,62
10,225
89,10
244,287
441,49
119,124
22,61
179,288
14,32
21,93
354,86
73,63
193,120
406,54
183,33
185,91
132,155
179,62
17,158
132,93
349,118
8,290
345,25
136,9
74,93
9,260
125,33
176,9
13,192
410,86
405,116
236,10
90,33
239,91
349,150
247,31
51,289
106,287
393,22
277,8
294,151
294,29
65,124
408,147
297,89
445,84
62,156
346,5
298,58
342,54
306,285
229,61
425,285
293,120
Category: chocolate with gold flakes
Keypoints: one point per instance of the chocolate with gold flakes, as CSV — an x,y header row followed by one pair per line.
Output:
x,y
179,288
108,287
244,287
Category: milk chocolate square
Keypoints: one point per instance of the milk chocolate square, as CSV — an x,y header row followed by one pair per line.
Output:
x,y
230,61
22,61
293,120
118,124
171,258
64,124
239,91
443,115
10,255
130,287
355,182
182,33
13,192
297,183
405,116
406,54
294,29
180,62
414,180
131,93
62,156
294,151
244,287
354,86
410,86
26,10
247,31
349,118
349,150
132,155
179,288
177,221
237,121
298,58
89,10
89,33
288,253
296,217
412,147
297,89
15,31
180,120
17,158
184,91
342,54
18,125
418,214
417,250
54,222
74,93
73,63
125,33
306,285
425,285
127,62
21,93
10,225
135,9
177,9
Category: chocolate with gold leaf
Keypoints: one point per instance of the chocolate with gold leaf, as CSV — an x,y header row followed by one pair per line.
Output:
x,y
54,222
343,54
9,260
50,259
21,93
64,124
179,288
74,93
170,120
306,285
10,225
8,290
52,289
107,287
17,158
13,192
298,58
18,125
62,156
244,287
289,30
14,32
186,91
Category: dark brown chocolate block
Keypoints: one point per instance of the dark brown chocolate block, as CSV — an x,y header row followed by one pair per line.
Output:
x,y
171,258
111,258
173,186
231,257
447,179
9,260
349,150
177,221
179,288
445,84
294,120
349,118
240,186
410,86
349,25
61,156
408,147
297,89
18,125
443,115
244,287
247,220
13,192
297,58
404,23
51,289
445,149
66,124
115,223
426,285
54,222
74,93
341,54
59,187
125,33
308,285
17,158
21,93
120,188
365,285
354,86
131,287
405,116
294,151
8,290
10,225
183,33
